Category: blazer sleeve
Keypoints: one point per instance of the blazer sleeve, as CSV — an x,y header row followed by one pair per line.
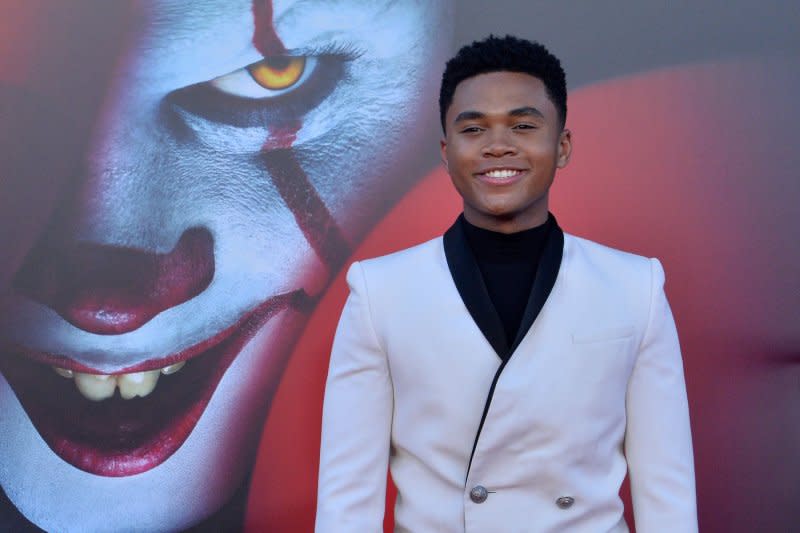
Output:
x,y
658,442
356,422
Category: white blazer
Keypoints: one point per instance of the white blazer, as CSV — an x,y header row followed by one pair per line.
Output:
x,y
595,388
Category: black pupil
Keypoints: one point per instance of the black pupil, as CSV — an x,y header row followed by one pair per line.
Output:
x,y
278,62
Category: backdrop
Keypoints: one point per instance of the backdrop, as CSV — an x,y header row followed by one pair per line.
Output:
x,y
183,183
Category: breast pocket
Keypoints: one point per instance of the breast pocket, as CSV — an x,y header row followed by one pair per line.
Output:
x,y
602,335
577,390
601,362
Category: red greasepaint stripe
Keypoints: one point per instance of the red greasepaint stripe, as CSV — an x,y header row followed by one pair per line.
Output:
x,y
310,212
265,39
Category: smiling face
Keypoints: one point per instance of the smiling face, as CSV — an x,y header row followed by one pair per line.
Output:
x,y
503,143
230,172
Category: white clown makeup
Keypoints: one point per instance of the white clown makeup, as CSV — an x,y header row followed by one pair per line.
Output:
x,y
243,149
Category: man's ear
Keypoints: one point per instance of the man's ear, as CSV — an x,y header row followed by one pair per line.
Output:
x,y
564,148
443,152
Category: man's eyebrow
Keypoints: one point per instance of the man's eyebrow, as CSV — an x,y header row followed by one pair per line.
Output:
x,y
469,115
525,112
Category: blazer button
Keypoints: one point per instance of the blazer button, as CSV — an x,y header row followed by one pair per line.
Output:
x,y
478,494
565,502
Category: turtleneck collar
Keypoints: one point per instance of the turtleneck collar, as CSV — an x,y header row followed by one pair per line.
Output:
x,y
495,247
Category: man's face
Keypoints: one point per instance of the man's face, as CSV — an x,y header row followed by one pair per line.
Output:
x,y
503,143
242,149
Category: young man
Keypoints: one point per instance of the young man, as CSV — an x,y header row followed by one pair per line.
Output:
x,y
509,373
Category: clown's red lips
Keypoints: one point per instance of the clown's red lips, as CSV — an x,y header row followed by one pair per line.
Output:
x,y
94,428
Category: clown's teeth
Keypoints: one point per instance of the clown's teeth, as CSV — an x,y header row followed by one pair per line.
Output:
x,y
502,173
95,387
171,369
63,372
99,387
137,384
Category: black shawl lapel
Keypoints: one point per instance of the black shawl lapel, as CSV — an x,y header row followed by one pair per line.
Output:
x,y
469,282
546,274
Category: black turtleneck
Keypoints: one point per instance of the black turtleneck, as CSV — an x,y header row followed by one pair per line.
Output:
x,y
508,263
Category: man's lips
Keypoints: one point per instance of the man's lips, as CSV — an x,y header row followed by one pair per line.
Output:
x,y
117,437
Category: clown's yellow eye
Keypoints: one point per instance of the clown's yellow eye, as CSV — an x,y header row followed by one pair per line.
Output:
x,y
276,73
269,77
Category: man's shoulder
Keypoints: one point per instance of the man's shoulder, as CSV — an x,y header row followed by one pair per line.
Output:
x,y
401,275
407,258
610,280
604,252
606,262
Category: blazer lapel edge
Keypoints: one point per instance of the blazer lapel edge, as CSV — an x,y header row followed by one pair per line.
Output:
x,y
545,280
469,283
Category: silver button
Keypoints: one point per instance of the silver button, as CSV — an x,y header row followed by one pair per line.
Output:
x,y
565,502
478,494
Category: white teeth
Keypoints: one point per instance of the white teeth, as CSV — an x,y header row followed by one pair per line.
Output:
x,y
505,173
171,369
137,384
99,387
95,386
63,372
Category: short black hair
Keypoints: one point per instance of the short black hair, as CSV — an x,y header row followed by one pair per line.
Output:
x,y
509,54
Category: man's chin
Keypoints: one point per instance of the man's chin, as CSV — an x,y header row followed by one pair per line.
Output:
x,y
175,491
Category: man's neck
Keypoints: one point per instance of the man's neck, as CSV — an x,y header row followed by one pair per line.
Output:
x,y
507,225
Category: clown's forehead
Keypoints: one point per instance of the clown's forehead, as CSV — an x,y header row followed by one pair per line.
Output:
x,y
180,42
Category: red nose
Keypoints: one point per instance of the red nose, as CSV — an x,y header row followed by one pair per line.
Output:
x,y
110,290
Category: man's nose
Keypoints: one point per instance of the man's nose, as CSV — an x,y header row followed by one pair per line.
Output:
x,y
499,144
110,290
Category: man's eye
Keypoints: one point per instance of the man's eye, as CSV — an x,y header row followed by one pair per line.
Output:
x,y
270,77
524,127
